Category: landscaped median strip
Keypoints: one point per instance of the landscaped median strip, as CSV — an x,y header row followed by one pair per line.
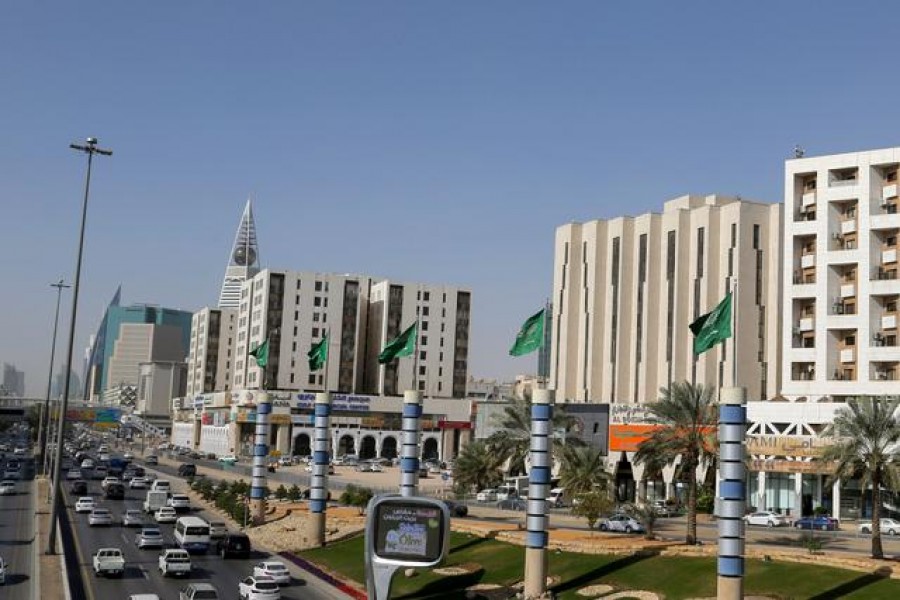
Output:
x,y
331,580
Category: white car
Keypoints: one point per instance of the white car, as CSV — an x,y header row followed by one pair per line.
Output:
x,y
2,571
888,526
259,588
107,481
85,504
7,488
621,522
228,460
128,456
166,514
489,495
138,483
73,474
274,569
100,516
180,502
19,450
766,518
133,518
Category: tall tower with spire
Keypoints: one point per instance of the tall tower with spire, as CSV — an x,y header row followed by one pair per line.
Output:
x,y
243,262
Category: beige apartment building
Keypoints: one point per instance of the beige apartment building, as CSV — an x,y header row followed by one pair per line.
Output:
x,y
626,289
211,357
841,289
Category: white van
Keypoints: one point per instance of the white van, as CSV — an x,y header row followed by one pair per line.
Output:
x,y
557,498
192,534
506,492
161,485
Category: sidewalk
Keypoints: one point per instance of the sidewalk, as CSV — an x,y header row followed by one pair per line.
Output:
x,y
49,580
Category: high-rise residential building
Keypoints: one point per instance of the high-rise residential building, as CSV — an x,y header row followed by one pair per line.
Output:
x,y
135,334
243,262
211,357
626,289
13,381
841,290
293,310
59,384
443,312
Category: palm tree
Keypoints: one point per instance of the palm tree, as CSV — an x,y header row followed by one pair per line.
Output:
x,y
867,445
513,438
688,418
477,466
582,471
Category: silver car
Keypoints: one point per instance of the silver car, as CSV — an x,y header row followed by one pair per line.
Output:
x,y
621,522
133,518
149,537
100,516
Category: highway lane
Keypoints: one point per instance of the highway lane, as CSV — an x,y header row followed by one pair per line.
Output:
x,y
17,536
142,575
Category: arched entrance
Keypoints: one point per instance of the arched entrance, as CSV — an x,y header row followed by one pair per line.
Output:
x,y
430,449
389,447
301,445
346,445
367,448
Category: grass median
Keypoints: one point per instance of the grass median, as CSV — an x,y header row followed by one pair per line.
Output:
x,y
672,577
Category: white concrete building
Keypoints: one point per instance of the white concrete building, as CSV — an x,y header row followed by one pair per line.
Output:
x,y
840,283
211,358
160,381
626,289
142,342
443,313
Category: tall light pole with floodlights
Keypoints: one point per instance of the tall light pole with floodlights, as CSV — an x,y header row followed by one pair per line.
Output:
x,y
44,428
90,148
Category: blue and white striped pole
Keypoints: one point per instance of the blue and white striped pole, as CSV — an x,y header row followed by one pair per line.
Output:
x,y
538,487
409,449
260,456
318,483
732,492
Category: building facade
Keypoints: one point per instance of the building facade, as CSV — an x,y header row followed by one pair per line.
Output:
x,y
841,290
626,289
13,381
211,355
159,382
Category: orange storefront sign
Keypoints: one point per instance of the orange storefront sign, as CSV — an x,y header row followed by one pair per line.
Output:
x,y
627,438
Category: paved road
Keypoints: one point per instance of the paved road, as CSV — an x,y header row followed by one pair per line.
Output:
x,y
17,536
142,575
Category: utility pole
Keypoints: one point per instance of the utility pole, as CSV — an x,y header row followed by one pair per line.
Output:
x,y
43,428
90,149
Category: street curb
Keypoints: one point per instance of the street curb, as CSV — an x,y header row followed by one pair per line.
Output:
x,y
67,591
334,582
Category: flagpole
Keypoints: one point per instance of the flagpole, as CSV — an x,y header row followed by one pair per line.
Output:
x,y
327,355
734,336
415,380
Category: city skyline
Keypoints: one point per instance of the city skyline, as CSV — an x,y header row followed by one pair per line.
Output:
x,y
442,144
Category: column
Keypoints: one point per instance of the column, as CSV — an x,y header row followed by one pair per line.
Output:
x,y
260,455
797,511
732,492
318,483
283,439
642,491
761,492
409,443
836,500
538,486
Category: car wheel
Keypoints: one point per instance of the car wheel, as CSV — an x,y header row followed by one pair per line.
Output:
x,y
824,527
770,524
798,525
603,527
628,529
892,532
865,530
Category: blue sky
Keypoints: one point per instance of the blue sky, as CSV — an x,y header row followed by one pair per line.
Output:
x,y
422,141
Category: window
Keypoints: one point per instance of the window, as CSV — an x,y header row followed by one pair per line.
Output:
x,y
850,340
700,240
426,296
324,317
296,315
756,237
315,317
424,325
424,340
318,286
424,311
421,355
317,301
312,379
315,332
421,369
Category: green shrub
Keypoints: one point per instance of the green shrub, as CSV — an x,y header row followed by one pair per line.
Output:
x,y
281,492
706,500
294,493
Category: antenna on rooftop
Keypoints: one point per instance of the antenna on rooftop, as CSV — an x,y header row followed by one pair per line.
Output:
x,y
799,152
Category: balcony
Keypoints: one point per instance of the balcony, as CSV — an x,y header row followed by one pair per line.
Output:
x,y
887,220
848,355
807,324
884,354
848,290
808,261
888,191
889,322
889,256
809,199
804,290
848,226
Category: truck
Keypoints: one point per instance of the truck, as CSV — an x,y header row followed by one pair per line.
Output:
x,y
108,562
174,562
155,500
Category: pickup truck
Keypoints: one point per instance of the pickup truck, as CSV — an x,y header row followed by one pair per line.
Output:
x,y
174,562
108,561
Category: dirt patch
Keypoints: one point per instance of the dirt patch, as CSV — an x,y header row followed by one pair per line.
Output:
x,y
592,591
455,570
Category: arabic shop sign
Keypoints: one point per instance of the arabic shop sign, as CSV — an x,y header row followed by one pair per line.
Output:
x,y
786,445
339,402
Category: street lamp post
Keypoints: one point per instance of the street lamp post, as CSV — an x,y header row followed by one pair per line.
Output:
x,y
43,428
90,149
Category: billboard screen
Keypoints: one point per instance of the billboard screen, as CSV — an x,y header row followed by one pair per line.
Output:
x,y
408,531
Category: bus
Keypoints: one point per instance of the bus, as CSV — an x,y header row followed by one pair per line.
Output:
x,y
192,534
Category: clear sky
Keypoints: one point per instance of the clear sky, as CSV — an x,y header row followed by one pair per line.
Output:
x,y
418,140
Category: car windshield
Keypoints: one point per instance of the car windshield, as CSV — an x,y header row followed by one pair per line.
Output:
x,y
276,567
150,532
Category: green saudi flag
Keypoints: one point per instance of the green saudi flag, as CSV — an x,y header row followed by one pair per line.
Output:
x,y
261,354
403,345
713,327
531,336
318,354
